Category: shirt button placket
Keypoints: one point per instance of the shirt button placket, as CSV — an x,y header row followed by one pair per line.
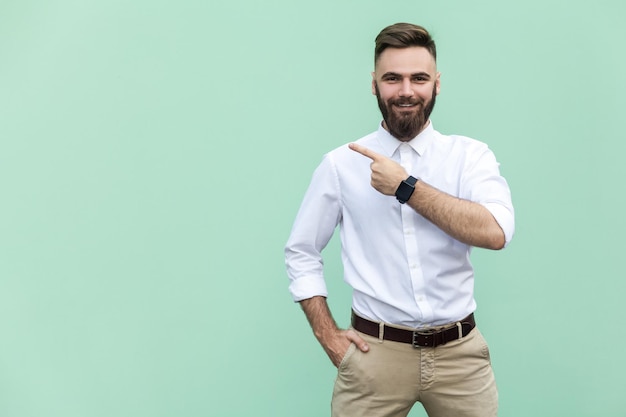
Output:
x,y
408,225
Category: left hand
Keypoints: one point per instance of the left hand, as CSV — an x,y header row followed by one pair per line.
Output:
x,y
386,173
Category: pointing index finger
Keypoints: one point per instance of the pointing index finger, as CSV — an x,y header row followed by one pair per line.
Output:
x,y
364,151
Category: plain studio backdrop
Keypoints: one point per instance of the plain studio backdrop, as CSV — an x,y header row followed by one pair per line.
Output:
x,y
153,155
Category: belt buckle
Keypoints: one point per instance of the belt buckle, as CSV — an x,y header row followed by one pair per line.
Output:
x,y
423,333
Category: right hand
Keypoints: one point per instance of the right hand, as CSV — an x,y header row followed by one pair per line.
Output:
x,y
386,173
337,344
335,341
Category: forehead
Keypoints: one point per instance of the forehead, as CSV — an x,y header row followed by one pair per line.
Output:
x,y
406,61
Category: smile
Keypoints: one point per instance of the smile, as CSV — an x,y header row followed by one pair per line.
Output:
x,y
405,106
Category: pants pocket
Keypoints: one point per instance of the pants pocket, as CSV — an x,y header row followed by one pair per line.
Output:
x,y
346,357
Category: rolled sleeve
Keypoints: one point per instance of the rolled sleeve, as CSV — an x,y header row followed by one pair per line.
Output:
x,y
315,224
307,287
486,186
505,218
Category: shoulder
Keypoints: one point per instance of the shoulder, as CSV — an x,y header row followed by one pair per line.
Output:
x,y
342,163
459,141
459,146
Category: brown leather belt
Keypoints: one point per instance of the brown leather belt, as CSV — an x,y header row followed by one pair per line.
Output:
x,y
417,338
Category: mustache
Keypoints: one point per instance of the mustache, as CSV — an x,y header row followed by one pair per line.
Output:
x,y
405,101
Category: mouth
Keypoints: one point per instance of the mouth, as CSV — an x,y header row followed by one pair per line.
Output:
x,y
405,106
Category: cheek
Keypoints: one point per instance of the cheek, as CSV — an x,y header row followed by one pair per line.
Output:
x,y
426,90
431,88
386,93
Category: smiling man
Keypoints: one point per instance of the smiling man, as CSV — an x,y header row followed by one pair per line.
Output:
x,y
409,82
410,203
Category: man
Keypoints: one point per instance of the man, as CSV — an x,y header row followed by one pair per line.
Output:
x,y
410,203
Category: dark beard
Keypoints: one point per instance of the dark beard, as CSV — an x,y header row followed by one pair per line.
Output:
x,y
405,126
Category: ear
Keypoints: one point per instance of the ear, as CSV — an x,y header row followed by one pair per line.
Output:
x,y
438,83
373,83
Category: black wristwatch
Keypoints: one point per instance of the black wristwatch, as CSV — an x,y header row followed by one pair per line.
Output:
x,y
405,190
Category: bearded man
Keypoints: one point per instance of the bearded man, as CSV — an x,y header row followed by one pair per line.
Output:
x,y
410,203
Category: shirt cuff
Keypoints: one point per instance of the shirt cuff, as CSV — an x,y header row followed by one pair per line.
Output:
x,y
505,219
307,287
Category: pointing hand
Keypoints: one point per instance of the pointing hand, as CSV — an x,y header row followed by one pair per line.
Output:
x,y
386,173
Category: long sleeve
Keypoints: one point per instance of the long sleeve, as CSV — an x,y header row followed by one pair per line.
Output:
x,y
483,183
315,223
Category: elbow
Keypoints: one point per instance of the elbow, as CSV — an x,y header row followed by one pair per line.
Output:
x,y
496,246
496,241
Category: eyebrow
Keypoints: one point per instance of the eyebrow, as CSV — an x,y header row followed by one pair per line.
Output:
x,y
417,74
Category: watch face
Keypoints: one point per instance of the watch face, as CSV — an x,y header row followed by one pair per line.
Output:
x,y
404,191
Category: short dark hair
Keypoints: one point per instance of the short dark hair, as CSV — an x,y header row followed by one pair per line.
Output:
x,y
404,35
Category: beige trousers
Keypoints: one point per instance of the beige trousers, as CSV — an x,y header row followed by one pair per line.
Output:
x,y
452,380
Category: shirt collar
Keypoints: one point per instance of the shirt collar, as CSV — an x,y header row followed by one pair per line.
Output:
x,y
419,143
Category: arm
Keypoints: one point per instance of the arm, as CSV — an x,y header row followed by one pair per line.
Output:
x,y
335,341
315,223
464,220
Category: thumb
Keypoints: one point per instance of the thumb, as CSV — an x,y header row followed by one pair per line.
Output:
x,y
357,340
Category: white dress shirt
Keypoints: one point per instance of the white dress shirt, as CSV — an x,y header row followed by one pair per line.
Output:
x,y
403,269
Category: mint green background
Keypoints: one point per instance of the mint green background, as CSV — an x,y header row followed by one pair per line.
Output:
x,y
153,155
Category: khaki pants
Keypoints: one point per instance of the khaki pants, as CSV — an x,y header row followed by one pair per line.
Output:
x,y
452,380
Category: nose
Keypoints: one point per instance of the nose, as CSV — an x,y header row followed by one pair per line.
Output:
x,y
406,89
